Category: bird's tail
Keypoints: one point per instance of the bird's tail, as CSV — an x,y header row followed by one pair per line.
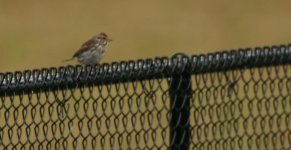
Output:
x,y
67,60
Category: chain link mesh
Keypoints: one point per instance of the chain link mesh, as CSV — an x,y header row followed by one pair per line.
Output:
x,y
227,100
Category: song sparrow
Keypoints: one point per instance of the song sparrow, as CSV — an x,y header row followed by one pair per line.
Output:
x,y
92,51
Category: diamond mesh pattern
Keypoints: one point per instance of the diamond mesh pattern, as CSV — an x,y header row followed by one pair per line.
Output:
x,y
227,100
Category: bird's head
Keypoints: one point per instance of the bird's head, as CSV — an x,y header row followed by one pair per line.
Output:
x,y
104,37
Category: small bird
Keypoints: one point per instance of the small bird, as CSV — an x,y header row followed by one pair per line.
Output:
x,y
93,50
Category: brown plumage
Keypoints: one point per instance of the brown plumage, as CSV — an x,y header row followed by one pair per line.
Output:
x,y
92,51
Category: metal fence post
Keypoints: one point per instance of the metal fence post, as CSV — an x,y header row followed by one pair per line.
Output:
x,y
180,92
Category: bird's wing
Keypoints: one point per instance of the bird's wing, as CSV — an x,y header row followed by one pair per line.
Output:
x,y
85,46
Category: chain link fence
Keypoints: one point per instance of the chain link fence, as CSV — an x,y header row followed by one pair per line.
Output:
x,y
227,100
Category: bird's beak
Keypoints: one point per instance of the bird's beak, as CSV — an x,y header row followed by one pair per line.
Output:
x,y
109,40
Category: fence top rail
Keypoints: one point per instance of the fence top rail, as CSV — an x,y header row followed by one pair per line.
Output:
x,y
44,79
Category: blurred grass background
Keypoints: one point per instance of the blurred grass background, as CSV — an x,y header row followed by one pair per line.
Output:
x,y
35,34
